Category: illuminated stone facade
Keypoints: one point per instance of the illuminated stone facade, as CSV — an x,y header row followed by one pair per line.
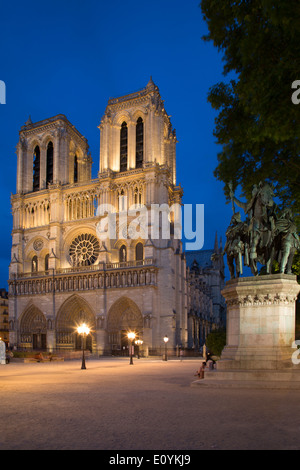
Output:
x,y
61,273
4,323
206,305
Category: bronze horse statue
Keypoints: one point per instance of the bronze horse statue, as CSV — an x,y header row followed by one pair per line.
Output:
x,y
261,214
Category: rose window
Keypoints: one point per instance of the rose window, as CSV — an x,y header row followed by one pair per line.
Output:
x,y
84,250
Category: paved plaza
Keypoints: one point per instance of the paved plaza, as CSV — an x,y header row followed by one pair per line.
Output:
x,y
149,405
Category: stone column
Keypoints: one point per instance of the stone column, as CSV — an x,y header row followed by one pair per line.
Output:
x,y
260,322
25,179
51,343
114,148
101,335
43,165
57,157
131,145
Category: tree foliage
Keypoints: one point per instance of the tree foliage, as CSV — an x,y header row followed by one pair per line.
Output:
x,y
295,267
258,125
216,341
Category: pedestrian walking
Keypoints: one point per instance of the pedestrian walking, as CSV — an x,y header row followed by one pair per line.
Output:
x,y
181,354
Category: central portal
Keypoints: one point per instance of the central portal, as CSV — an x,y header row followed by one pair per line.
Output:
x,y
124,316
72,314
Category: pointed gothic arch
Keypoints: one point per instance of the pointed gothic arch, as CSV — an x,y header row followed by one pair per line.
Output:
x,y
123,316
75,168
34,264
139,251
139,143
36,168
123,254
74,311
123,146
49,162
33,328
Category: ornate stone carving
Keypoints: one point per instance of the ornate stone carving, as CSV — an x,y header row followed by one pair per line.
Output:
x,y
84,250
95,278
38,244
258,300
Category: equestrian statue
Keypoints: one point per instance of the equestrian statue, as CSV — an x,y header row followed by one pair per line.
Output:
x,y
267,235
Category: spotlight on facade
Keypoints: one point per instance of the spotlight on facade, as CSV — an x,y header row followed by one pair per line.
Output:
x,y
83,330
166,339
131,336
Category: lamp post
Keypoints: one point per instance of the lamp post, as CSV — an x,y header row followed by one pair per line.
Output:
x,y
83,330
139,343
131,337
166,339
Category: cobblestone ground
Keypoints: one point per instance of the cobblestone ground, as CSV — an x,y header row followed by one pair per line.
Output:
x,y
150,405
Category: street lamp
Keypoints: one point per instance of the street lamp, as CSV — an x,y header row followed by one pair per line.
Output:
x,y
166,339
131,337
139,343
84,331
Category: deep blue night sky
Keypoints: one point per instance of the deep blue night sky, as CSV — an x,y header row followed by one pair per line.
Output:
x,y
70,57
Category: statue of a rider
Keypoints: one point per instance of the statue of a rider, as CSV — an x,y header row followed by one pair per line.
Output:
x,y
287,240
236,245
260,211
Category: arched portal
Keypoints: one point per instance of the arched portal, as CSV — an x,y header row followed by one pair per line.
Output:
x,y
71,314
33,329
123,316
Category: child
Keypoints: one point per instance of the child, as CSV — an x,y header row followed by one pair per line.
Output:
x,y
200,372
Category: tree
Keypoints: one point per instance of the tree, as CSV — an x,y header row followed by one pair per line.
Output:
x,y
216,341
258,125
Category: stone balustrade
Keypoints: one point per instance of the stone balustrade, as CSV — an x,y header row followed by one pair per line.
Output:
x,y
127,274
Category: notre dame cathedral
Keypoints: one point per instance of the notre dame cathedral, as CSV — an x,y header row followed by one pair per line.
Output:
x,y
61,274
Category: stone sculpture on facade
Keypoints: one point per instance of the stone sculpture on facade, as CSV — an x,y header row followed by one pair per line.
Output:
x,y
267,235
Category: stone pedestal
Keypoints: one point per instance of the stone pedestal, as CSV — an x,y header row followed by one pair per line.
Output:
x,y
260,335
260,322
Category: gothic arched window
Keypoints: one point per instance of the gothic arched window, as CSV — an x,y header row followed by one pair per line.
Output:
x,y
34,264
49,164
36,168
123,147
139,252
137,196
75,169
122,201
47,262
139,156
123,254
